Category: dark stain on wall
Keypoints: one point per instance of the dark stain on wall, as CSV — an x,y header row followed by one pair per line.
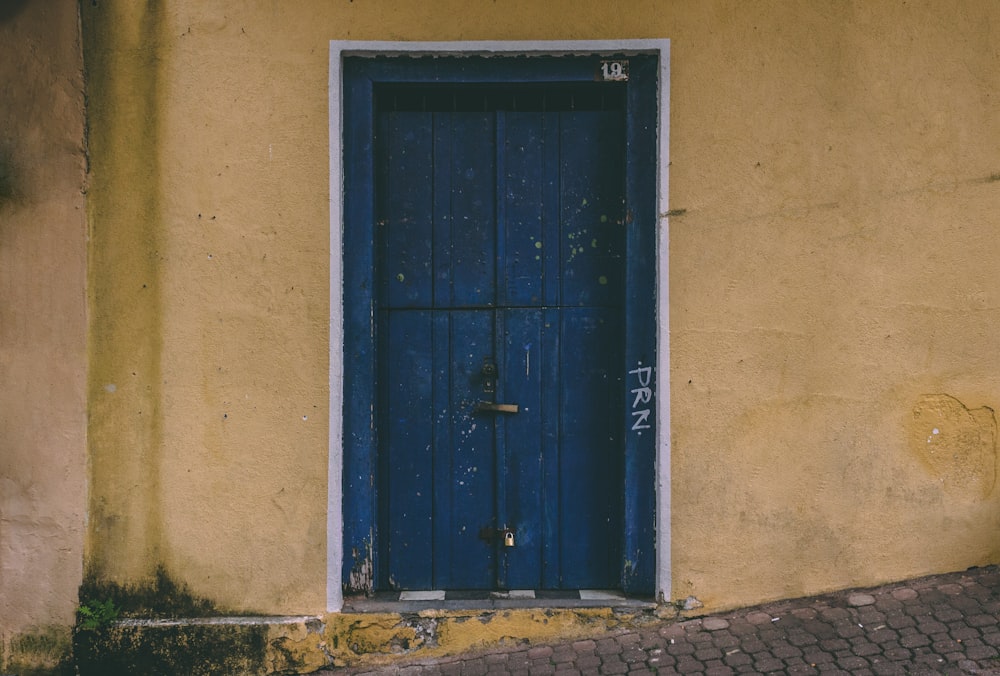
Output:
x,y
8,173
160,597
11,8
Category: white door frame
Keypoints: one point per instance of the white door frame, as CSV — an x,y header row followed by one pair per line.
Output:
x,y
335,492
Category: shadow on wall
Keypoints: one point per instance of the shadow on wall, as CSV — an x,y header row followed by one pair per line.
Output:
x,y
10,8
8,176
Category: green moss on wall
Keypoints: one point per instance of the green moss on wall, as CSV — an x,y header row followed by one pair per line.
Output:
x,y
45,651
197,650
159,597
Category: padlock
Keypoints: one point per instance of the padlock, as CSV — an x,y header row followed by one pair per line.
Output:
x,y
508,538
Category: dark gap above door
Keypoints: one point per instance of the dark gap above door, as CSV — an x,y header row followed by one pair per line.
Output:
x,y
545,97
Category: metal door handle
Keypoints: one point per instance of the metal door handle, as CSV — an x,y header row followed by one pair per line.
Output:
x,y
490,407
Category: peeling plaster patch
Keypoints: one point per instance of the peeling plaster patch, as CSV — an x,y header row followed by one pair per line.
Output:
x,y
379,638
956,445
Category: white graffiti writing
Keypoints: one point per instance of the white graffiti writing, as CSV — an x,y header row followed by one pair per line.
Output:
x,y
641,396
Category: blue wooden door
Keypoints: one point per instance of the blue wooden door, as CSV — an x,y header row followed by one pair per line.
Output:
x,y
500,236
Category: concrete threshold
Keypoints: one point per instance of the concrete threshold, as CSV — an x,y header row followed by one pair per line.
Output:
x,y
402,603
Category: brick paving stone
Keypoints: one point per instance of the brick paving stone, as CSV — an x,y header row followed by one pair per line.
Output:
x,y
563,653
661,660
914,641
960,631
584,646
758,617
741,627
888,669
633,655
630,639
870,615
588,662
724,640
769,663
898,654
542,669
737,658
946,646
845,630
719,671
951,588
834,614
613,665
819,628
540,652
672,631
688,665
705,654
887,603
955,657
852,663
866,648
715,623
801,638
680,648
751,644
980,620
917,609
608,646
900,621
981,652
904,594
884,635
928,625
700,637
785,650
769,634
834,644
966,604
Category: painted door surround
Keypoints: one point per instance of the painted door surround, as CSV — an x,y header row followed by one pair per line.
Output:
x,y
351,518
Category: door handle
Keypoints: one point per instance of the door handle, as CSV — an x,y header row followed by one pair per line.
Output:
x,y
490,407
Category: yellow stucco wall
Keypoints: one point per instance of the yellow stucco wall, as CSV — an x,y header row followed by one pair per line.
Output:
x,y
832,269
42,332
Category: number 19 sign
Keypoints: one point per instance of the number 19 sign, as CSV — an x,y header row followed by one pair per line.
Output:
x,y
613,71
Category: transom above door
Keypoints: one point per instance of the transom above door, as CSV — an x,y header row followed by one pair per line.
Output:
x,y
499,337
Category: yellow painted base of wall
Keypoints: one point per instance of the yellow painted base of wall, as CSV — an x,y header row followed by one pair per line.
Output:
x,y
379,638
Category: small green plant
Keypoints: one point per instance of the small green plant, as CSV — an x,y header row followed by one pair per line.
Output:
x,y
96,614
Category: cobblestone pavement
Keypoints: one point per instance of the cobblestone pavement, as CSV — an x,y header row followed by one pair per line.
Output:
x,y
945,624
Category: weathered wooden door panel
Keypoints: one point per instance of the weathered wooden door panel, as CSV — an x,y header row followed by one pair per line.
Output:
x,y
501,277
562,479
438,458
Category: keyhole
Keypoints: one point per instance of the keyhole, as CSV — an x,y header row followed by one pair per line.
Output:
x,y
489,373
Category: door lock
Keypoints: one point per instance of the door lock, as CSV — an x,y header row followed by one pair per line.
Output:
x,y
489,374
508,537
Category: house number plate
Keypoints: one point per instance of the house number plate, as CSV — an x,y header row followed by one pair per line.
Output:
x,y
613,71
